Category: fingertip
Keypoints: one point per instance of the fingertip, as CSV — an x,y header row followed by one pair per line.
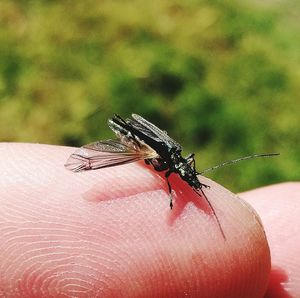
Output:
x,y
126,240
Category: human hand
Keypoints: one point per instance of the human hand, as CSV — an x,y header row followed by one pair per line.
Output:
x,y
279,209
110,233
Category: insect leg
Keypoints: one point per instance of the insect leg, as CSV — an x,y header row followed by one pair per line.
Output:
x,y
162,167
191,161
204,185
170,188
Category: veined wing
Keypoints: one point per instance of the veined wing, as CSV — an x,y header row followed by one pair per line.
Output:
x,y
152,130
107,153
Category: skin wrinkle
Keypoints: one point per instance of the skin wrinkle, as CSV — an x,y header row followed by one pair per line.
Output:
x,y
127,244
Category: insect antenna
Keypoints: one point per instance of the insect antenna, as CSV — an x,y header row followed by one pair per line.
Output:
x,y
229,162
212,209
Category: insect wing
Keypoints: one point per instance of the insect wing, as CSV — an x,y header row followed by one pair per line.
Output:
x,y
144,130
152,130
107,153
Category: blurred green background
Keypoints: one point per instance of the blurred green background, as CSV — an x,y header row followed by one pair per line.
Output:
x,y
222,77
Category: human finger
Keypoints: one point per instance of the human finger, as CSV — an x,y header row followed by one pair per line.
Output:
x,y
111,233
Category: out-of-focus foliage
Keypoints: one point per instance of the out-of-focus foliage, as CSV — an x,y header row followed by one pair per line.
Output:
x,y
222,77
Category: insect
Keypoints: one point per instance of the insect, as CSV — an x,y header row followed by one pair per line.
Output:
x,y
139,139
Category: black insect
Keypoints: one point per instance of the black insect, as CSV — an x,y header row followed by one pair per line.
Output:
x,y
139,139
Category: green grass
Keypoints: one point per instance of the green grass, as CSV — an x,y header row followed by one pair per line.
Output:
x,y
222,77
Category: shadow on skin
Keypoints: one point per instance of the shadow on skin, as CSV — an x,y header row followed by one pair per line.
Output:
x,y
182,193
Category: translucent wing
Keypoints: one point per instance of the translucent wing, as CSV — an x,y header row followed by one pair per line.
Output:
x,y
107,153
152,130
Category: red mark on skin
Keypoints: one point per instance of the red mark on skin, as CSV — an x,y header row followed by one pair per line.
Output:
x,y
275,288
184,194
130,183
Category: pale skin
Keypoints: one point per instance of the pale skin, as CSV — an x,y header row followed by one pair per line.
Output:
x,y
111,233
